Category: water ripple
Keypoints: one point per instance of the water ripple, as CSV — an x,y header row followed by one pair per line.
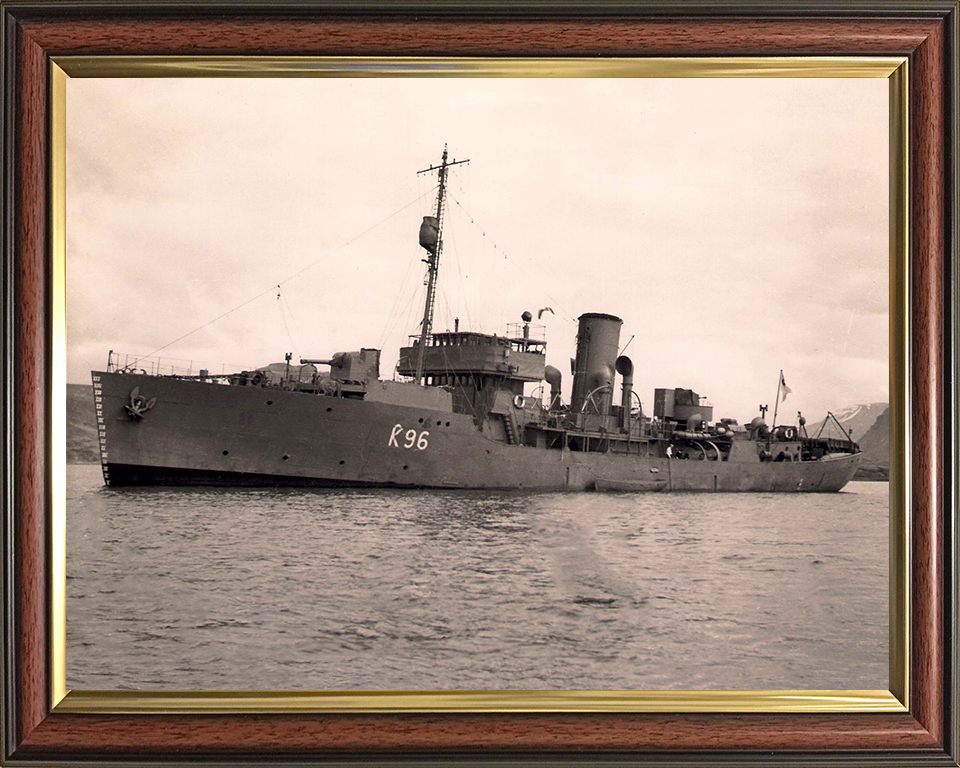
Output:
x,y
194,588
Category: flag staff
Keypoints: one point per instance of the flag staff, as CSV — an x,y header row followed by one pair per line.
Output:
x,y
776,403
781,385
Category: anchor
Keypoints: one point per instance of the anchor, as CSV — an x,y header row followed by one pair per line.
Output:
x,y
139,405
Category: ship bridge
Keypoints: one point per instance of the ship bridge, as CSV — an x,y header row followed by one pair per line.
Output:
x,y
450,356
478,367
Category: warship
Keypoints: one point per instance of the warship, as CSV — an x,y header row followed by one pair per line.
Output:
x,y
454,415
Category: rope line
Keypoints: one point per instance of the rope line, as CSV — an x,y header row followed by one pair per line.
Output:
x,y
512,260
281,302
286,280
395,313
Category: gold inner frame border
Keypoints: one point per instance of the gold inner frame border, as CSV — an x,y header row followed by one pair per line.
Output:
x,y
894,69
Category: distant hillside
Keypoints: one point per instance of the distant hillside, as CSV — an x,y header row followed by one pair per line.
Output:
x,y
875,445
869,426
82,446
857,419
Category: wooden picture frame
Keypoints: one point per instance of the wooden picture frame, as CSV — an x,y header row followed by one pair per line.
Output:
x,y
36,34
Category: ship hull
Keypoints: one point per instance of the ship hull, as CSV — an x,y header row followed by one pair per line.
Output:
x,y
201,433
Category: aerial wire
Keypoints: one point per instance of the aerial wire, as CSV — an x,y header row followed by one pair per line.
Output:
x,y
286,280
512,260
464,301
394,315
281,301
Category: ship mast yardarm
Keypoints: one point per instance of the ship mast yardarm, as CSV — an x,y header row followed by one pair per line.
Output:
x,y
433,245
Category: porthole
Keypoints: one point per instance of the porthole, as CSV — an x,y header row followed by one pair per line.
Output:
x,y
405,466
226,452
342,461
439,423
285,457
329,409
420,420
269,402
448,423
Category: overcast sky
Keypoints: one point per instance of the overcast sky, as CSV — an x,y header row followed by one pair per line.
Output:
x,y
738,226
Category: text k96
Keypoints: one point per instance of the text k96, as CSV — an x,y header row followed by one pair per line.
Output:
x,y
409,439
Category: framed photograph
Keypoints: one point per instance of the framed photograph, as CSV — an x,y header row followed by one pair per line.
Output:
x,y
297,470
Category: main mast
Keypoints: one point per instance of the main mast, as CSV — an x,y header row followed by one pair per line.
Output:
x,y
431,238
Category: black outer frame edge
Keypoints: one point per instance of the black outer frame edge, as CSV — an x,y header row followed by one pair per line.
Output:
x,y
951,473
11,10
8,34
519,759
495,8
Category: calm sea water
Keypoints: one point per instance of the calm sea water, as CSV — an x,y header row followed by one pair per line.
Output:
x,y
196,588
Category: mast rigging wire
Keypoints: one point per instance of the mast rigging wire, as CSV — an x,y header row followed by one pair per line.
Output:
x,y
281,301
285,280
395,313
506,256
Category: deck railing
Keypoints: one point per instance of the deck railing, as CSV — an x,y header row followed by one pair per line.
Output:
x,y
165,366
